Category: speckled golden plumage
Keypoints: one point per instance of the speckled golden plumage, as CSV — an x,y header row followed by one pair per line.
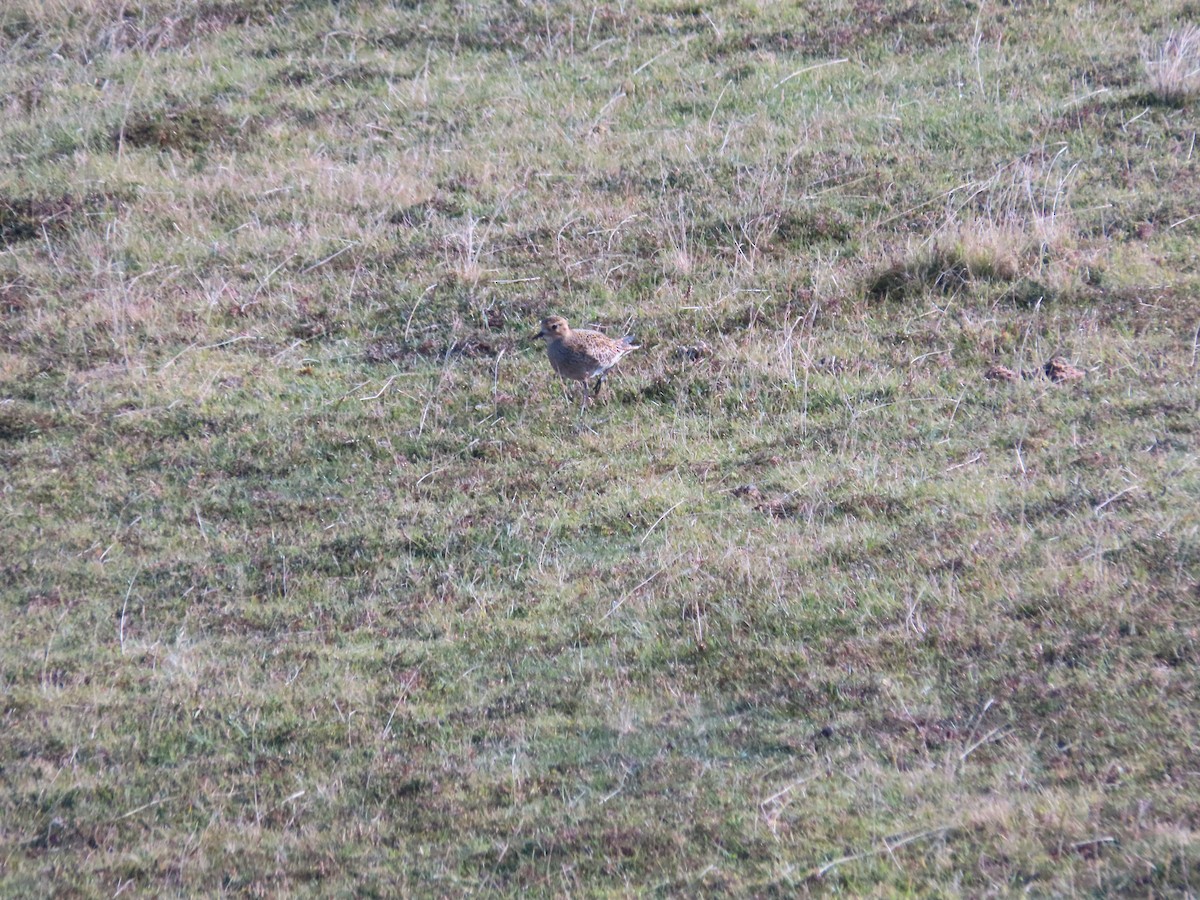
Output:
x,y
580,354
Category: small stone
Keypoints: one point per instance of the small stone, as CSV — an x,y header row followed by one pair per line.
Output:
x,y
693,353
1059,369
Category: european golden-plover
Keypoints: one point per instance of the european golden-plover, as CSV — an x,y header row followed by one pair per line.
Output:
x,y
579,354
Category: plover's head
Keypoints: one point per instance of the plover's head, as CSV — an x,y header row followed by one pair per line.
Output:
x,y
554,327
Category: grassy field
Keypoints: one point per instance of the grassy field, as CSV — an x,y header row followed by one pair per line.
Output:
x,y
314,580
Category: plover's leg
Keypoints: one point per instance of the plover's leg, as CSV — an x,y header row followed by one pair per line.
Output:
x,y
582,423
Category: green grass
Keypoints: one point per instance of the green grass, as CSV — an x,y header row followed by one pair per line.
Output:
x,y
315,582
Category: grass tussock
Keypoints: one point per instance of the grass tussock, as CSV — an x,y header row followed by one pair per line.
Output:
x,y
84,30
1015,226
31,218
1173,67
182,127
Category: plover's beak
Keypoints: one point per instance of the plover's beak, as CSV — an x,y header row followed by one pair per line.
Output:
x,y
539,334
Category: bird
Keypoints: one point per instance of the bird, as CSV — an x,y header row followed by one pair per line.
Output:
x,y
580,354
